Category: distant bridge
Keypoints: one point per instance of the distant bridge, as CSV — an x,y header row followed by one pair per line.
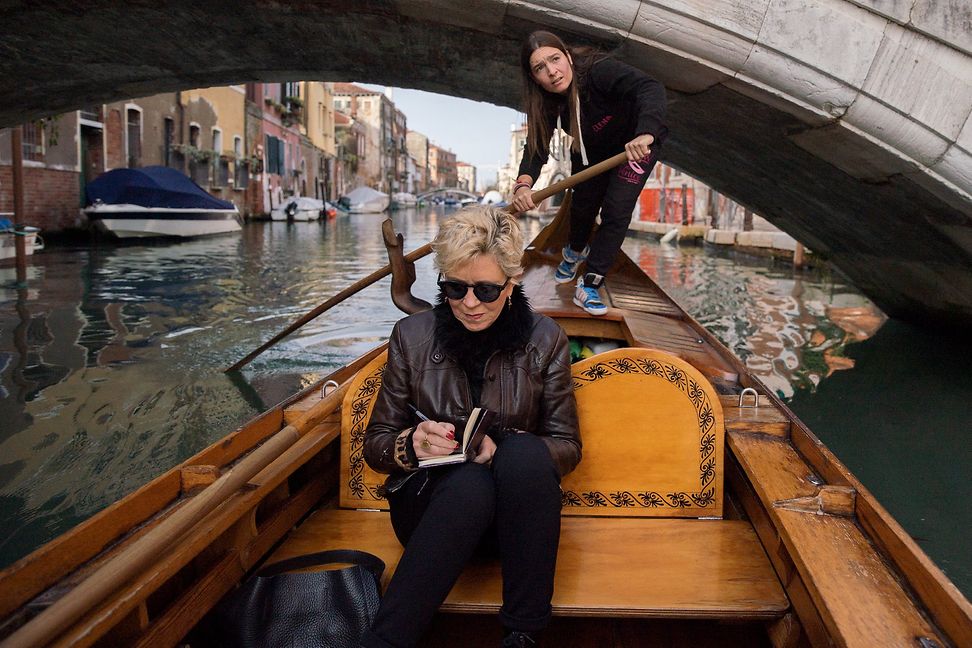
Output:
x,y
448,190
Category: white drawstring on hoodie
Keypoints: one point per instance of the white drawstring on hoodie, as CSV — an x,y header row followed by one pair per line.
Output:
x,y
580,133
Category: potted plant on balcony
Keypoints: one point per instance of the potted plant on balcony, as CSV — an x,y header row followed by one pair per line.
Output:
x,y
292,110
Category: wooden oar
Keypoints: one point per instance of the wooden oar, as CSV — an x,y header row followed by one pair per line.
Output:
x,y
360,284
417,254
117,571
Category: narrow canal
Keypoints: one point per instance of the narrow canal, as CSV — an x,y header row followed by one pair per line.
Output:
x,y
111,363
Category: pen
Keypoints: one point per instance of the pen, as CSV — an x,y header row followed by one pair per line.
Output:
x,y
418,413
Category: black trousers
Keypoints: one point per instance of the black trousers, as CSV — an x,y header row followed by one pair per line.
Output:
x,y
615,194
447,516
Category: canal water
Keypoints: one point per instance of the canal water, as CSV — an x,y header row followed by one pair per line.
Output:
x,y
111,361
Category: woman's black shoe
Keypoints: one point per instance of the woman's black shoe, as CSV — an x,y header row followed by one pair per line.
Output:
x,y
517,639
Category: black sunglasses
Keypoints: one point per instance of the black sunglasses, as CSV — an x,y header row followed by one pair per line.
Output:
x,y
485,292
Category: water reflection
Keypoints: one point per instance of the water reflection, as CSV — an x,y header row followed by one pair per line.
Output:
x,y
791,329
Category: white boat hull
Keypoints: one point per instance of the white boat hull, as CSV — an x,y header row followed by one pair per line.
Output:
x,y
133,221
299,215
8,244
403,200
365,200
370,207
300,208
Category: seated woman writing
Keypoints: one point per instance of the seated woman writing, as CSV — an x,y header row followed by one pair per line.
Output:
x,y
481,346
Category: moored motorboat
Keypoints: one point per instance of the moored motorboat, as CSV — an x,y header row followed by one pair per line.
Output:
x,y
403,200
299,208
156,201
851,575
365,200
8,239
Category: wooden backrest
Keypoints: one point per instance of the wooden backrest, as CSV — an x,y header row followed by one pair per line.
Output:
x,y
651,424
653,436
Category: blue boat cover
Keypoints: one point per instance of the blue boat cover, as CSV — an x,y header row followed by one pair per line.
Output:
x,y
151,186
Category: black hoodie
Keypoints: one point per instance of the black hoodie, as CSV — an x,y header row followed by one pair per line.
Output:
x,y
617,103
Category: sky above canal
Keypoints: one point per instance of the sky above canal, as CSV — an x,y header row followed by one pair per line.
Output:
x,y
477,132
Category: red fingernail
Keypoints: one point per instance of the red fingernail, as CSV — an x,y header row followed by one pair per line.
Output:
x,y
450,435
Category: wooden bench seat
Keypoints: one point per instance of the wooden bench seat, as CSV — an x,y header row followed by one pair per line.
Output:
x,y
613,567
642,534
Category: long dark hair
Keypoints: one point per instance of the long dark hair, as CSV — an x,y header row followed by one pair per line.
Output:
x,y
538,103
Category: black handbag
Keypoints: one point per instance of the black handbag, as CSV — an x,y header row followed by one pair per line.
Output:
x,y
322,609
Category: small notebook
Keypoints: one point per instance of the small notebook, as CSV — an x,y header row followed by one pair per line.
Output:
x,y
480,419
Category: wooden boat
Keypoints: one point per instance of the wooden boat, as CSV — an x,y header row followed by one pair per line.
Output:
x,y
799,554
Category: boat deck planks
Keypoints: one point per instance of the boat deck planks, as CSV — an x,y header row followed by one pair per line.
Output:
x,y
658,328
628,289
688,568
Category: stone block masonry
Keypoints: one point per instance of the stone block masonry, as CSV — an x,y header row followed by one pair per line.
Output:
x,y
845,122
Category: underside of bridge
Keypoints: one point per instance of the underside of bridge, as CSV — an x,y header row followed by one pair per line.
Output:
x,y
846,124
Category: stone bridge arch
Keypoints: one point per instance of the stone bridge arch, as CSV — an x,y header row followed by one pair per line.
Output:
x,y
447,190
845,122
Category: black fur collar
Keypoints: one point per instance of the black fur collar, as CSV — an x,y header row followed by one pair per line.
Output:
x,y
511,330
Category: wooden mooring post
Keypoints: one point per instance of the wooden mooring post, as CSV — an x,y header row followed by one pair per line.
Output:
x,y
17,162
798,256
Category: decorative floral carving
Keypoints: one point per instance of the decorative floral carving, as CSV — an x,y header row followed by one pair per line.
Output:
x,y
623,499
360,406
651,499
594,498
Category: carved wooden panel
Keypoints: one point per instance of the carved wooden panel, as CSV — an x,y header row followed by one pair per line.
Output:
x,y
653,435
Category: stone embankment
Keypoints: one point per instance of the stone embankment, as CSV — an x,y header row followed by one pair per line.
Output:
x,y
762,242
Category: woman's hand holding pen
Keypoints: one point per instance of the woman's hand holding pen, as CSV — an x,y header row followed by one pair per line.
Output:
x,y
432,439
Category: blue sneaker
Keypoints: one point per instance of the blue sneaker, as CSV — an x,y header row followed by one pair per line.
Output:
x,y
587,296
567,269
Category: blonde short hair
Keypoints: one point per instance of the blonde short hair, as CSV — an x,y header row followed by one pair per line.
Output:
x,y
477,230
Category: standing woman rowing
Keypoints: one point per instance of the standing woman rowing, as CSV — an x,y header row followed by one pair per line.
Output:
x,y
605,105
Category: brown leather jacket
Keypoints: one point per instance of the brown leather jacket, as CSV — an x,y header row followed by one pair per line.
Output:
x,y
530,388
